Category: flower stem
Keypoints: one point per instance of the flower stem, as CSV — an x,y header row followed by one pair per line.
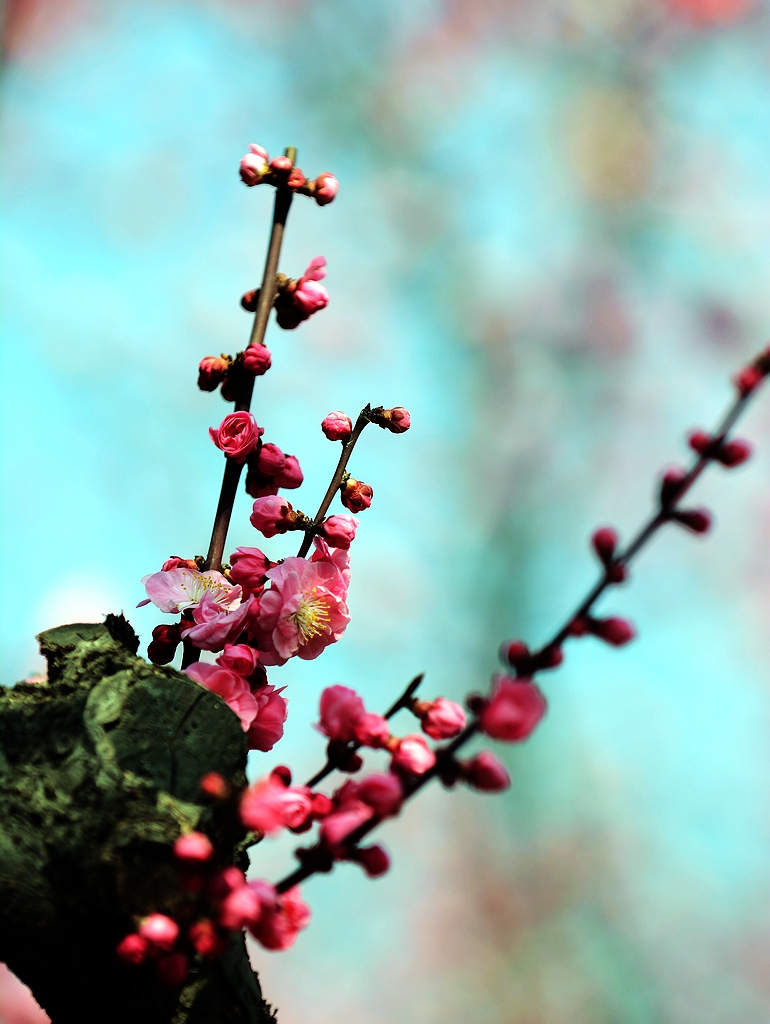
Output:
x,y
347,451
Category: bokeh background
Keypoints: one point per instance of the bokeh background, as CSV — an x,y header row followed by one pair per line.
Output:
x,y
552,244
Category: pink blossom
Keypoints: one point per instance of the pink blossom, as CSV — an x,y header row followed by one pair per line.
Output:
x,y
372,730
267,727
194,848
282,919
304,609
341,710
442,718
176,589
270,515
257,360
383,792
240,908
326,187
337,426
232,688
486,773
254,167
339,531
270,460
315,270
310,296
336,828
237,435
270,805
413,755
515,708
214,626
159,930
356,495
339,557
212,370
132,949
239,658
290,477
248,567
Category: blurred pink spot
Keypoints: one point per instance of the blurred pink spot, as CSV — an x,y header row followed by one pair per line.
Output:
x,y
17,1004
712,12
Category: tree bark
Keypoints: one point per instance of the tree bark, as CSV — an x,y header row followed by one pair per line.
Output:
x,y
99,774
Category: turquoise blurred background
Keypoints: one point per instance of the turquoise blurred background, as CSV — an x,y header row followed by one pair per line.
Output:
x,y
552,244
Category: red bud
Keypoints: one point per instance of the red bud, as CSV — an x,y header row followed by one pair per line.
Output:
x,y
733,453
604,542
698,520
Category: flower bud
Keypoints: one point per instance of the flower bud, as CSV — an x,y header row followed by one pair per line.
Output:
x,y
159,930
700,441
733,453
270,460
372,730
172,970
337,426
257,360
326,187
282,164
516,654
253,168
604,542
250,299
205,939
549,657
441,718
215,786
613,630
257,484
281,773
485,772
514,709
248,567
290,477
671,484
339,531
373,859
165,640
413,755
212,370
180,563
237,435
240,907
748,379
194,848
296,178
132,949
356,495
271,515
697,520
396,420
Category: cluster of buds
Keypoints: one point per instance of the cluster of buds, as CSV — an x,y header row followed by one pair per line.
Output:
x,y
258,169
223,370
295,301
269,469
728,453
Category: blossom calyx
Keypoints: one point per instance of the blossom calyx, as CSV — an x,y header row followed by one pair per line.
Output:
x,y
212,370
355,495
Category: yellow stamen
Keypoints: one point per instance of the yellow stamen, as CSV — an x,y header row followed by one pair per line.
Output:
x,y
312,616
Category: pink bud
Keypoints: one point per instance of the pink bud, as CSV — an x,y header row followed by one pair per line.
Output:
x,y
748,379
733,453
514,709
397,420
700,441
441,718
671,484
212,370
296,178
309,297
341,709
257,484
515,653
248,567
698,520
282,773
413,755
253,167
239,658
257,360
549,657
613,631
193,848
355,495
372,731
337,426
172,970
604,541
270,515
215,786
271,459
382,791
179,563
281,163
160,931
316,269
290,476
339,531
326,187
237,435
205,939
486,772
239,908
132,949
373,859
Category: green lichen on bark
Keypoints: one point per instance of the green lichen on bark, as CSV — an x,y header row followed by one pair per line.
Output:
x,y
99,774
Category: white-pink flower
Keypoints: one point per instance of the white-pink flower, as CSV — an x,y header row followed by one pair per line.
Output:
x,y
303,611
231,687
254,165
176,589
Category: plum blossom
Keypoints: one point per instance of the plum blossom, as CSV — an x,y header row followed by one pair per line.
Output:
x,y
283,916
214,626
339,531
173,590
485,772
237,435
231,687
326,188
257,359
356,495
310,296
267,727
212,370
339,557
413,755
340,711
441,718
271,515
514,709
270,805
160,931
248,567
239,658
254,168
303,611
193,848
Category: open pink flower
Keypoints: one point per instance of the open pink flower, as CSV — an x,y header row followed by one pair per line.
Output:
x,y
254,168
176,589
232,688
270,805
267,727
215,626
303,611
237,435
283,916
515,708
